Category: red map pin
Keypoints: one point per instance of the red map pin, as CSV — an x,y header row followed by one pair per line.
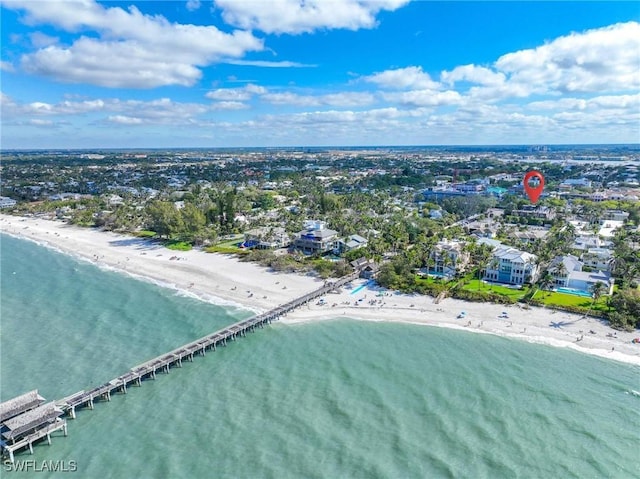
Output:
x,y
533,192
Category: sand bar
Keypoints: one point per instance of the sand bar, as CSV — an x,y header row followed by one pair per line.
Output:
x,y
223,279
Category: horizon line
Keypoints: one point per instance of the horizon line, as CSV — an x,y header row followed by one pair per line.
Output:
x,y
343,147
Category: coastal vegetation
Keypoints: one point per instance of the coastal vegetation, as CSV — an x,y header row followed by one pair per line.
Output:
x,y
210,200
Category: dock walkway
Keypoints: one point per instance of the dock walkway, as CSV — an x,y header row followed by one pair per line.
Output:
x,y
20,409
174,358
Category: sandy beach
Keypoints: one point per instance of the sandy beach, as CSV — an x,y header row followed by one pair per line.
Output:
x,y
223,279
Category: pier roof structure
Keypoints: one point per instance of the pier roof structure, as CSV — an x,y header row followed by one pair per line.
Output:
x,y
18,405
31,420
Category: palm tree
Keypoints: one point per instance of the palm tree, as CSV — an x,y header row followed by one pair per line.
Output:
x,y
561,271
597,290
480,255
546,280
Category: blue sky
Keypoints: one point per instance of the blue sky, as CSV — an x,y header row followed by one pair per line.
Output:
x,y
88,74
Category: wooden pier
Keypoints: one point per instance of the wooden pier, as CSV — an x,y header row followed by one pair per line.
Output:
x,y
174,358
29,404
27,441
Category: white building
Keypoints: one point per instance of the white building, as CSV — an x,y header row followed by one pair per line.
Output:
x,y
609,227
316,238
447,258
511,266
351,243
566,272
598,259
6,202
266,238
587,242
616,215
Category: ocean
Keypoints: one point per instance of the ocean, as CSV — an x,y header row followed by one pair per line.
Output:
x,y
334,399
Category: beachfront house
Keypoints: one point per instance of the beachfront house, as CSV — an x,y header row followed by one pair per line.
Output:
x,y
6,202
316,238
511,266
599,259
351,243
368,268
567,274
616,215
447,257
266,238
585,242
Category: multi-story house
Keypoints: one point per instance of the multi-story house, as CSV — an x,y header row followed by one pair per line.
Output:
x,y
616,215
447,257
540,212
598,259
586,242
266,238
511,266
316,238
351,243
567,275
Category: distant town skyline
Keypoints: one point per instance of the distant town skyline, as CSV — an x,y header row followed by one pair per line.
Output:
x,y
142,74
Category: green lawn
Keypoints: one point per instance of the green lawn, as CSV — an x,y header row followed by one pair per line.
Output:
x,y
232,243
476,285
178,245
432,280
564,299
145,234
228,246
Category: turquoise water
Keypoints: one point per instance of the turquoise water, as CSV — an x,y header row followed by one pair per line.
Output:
x,y
575,292
333,399
362,286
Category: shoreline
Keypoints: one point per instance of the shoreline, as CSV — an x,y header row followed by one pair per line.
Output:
x,y
226,281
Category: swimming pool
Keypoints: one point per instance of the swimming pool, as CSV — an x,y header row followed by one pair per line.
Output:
x,y
368,283
575,292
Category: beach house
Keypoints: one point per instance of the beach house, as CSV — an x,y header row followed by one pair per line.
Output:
x,y
351,243
316,238
266,238
447,257
567,274
511,266
6,202
598,258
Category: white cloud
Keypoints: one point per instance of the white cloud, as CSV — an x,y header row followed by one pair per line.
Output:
x,y
125,120
340,99
40,122
473,74
110,64
403,78
7,67
236,94
607,102
255,89
159,111
134,50
39,39
600,60
595,61
269,64
229,94
193,5
295,16
424,97
468,104
229,105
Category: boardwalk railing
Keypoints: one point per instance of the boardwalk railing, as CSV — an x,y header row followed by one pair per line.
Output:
x,y
174,358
